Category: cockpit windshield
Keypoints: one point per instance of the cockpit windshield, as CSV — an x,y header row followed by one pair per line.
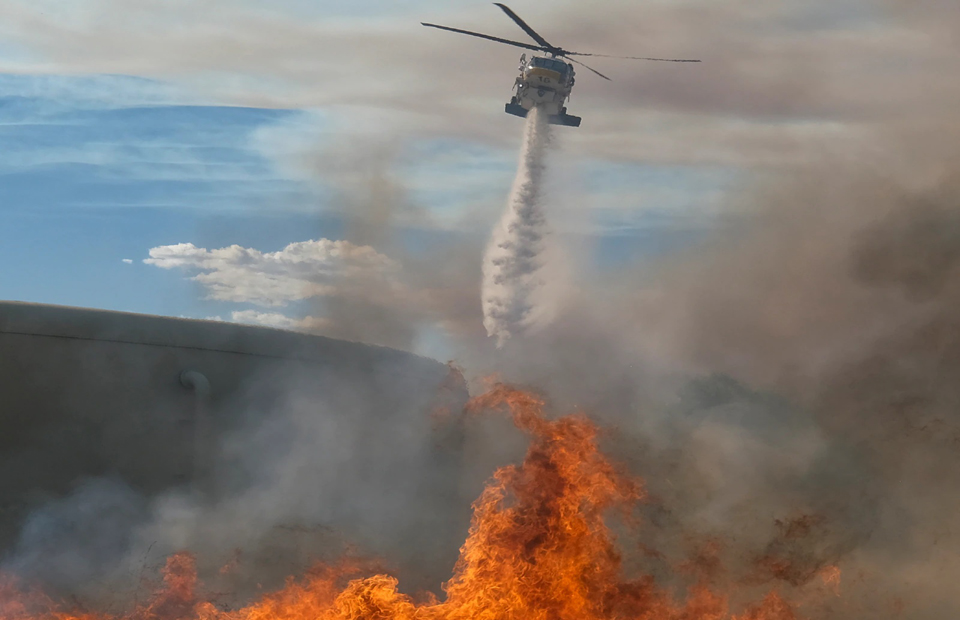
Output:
x,y
549,63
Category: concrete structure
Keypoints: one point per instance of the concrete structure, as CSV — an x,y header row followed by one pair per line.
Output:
x,y
91,393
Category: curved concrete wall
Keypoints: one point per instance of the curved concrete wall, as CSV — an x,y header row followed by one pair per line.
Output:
x,y
91,393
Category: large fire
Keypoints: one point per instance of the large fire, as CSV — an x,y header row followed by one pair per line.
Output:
x,y
538,549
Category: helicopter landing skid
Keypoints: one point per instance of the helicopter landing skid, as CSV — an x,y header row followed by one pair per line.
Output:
x,y
555,119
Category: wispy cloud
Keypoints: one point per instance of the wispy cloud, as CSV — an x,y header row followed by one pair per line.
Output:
x,y
55,92
773,78
113,140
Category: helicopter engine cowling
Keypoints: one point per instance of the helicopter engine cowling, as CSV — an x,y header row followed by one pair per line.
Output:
x,y
536,76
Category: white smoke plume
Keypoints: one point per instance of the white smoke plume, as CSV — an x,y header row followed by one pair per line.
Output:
x,y
513,259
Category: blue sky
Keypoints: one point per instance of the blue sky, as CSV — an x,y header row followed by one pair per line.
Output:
x,y
97,169
124,129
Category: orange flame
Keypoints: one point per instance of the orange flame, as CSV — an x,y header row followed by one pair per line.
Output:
x,y
538,549
831,578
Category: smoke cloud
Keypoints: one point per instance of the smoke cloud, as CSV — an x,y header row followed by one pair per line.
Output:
x,y
842,298
787,388
304,467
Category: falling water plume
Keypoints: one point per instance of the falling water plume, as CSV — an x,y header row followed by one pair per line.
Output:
x,y
511,266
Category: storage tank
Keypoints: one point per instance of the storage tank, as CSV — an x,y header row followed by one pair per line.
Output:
x,y
146,399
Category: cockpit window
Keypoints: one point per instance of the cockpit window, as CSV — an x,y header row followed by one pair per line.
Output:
x,y
549,63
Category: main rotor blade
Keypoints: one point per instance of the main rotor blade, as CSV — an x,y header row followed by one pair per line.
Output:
x,y
629,57
526,27
486,36
589,67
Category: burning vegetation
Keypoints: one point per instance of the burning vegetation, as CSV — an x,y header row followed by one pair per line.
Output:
x,y
540,547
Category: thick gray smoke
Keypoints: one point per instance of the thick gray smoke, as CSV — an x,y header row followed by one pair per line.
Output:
x,y
808,421
307,465
842,297
513,260
788,391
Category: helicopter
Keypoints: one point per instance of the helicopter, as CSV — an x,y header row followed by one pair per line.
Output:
x,y
546,80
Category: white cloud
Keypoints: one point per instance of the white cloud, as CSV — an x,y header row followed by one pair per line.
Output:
x,y
300,271
128,261
279,321
343,290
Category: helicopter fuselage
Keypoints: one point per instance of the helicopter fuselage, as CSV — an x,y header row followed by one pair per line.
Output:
x,y
544,83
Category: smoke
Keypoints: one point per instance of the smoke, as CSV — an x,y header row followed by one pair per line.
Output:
x,y
305,467
438,282
787,389
513,259
839,296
